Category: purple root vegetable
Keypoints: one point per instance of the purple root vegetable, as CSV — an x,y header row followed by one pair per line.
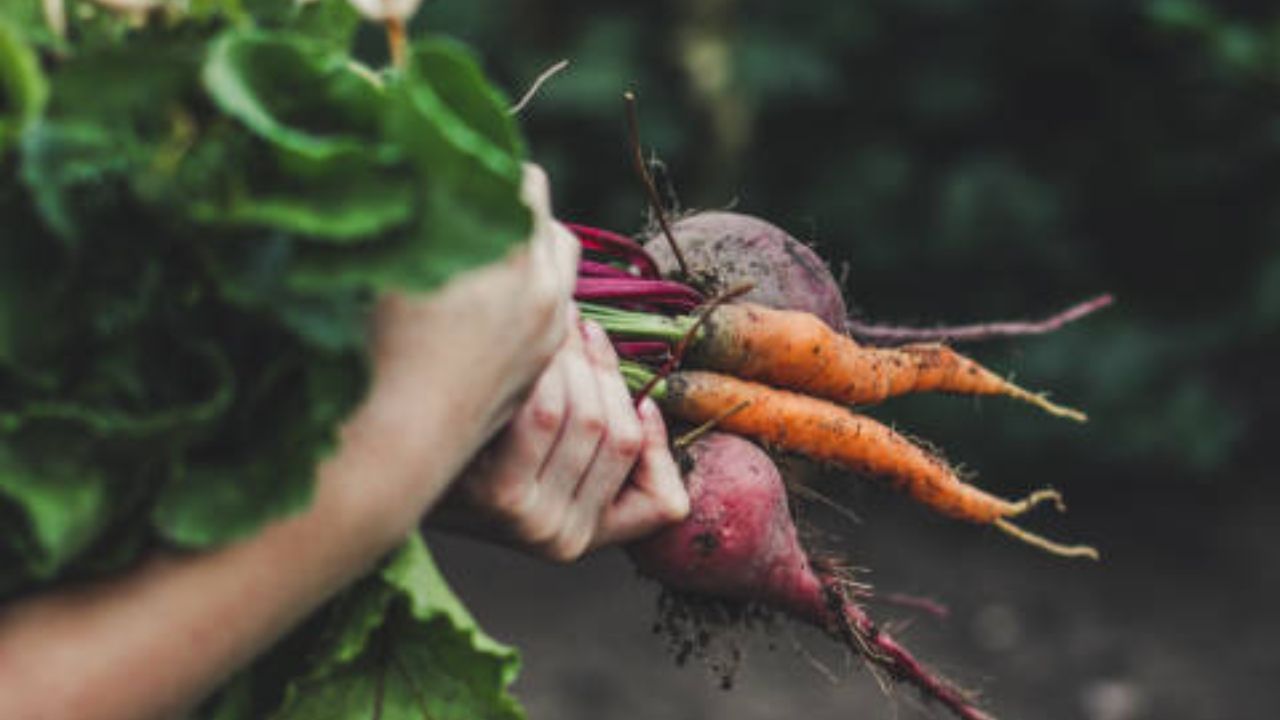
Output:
x,y
726,249
739,543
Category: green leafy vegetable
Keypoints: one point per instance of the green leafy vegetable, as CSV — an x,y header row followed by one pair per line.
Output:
x,y
200,208
23,90
405,644
399,645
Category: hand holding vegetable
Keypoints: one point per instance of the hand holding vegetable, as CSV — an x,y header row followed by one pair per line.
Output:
x,y
468,352
552,482
448,369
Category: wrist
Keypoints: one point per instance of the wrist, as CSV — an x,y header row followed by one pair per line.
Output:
x,y
397,456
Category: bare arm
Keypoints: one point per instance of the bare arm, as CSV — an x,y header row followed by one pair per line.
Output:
x,y
449,370
148,644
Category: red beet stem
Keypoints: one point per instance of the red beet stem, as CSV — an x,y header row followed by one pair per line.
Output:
x,y
650,350
591,268
615,245
662,294
977,332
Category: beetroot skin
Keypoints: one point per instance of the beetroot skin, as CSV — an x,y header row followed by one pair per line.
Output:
x,y
739,543
725,249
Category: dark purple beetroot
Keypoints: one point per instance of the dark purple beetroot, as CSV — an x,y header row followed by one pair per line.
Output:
x,y
726,249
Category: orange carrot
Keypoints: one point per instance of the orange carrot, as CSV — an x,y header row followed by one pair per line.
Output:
x,y
827,432
796,350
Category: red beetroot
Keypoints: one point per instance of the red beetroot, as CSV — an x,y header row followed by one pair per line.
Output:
x,y
740,543
726,249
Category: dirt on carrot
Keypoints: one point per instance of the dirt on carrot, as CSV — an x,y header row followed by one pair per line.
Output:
x,y
829,433
798,351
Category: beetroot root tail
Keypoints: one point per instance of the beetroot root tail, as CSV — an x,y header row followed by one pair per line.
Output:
x,y
887,655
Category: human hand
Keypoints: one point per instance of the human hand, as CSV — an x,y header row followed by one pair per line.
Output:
x,y
450,367
554,483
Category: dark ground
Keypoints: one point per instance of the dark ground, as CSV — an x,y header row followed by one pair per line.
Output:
x,y
1177,622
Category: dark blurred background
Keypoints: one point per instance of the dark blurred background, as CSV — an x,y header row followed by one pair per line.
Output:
x,y
964,160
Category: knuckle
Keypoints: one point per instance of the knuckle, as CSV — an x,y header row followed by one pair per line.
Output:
x,y
591,423
508,498
568,547
539,528
546,416
626,442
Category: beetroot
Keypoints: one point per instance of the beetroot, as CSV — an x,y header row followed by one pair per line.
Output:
x,y
739,543
725,249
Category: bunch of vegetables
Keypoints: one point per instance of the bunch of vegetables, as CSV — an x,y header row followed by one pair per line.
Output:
x,y
770,361
199,203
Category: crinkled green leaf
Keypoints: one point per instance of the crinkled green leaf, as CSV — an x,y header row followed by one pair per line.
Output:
x,y
409,651
263,467
64,499
342,201
199,214
468,207
153,424
456,76
251,275
29,264
294,92
326,172
68,167
23,88
27,18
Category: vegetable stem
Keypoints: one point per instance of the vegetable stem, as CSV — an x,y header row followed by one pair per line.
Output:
x,y
626,323
638,377
651,191
397,42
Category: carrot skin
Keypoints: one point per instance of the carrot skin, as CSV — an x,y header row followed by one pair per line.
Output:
x,y
798,351
830,433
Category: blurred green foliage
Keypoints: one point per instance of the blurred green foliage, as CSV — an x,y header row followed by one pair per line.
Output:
x,y
967,159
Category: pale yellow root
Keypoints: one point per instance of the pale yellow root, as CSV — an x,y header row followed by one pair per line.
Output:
x,y
1081,551
1039,497
1042,401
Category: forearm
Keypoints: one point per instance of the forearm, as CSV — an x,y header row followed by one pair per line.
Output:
x,y
153,642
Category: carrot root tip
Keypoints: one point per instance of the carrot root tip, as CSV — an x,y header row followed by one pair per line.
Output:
x,y
1039,497
1049,546
1042,401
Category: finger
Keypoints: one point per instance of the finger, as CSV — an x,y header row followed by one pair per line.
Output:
x,y
535,190
656,496
624,436
555,250
583,427
508,486
566,253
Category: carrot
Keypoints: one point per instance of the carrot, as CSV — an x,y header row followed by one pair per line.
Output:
x,y
798,351
827,432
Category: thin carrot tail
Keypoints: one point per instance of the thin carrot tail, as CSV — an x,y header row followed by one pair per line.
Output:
x,y
1040,497
943,369
1042,401
1043,543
